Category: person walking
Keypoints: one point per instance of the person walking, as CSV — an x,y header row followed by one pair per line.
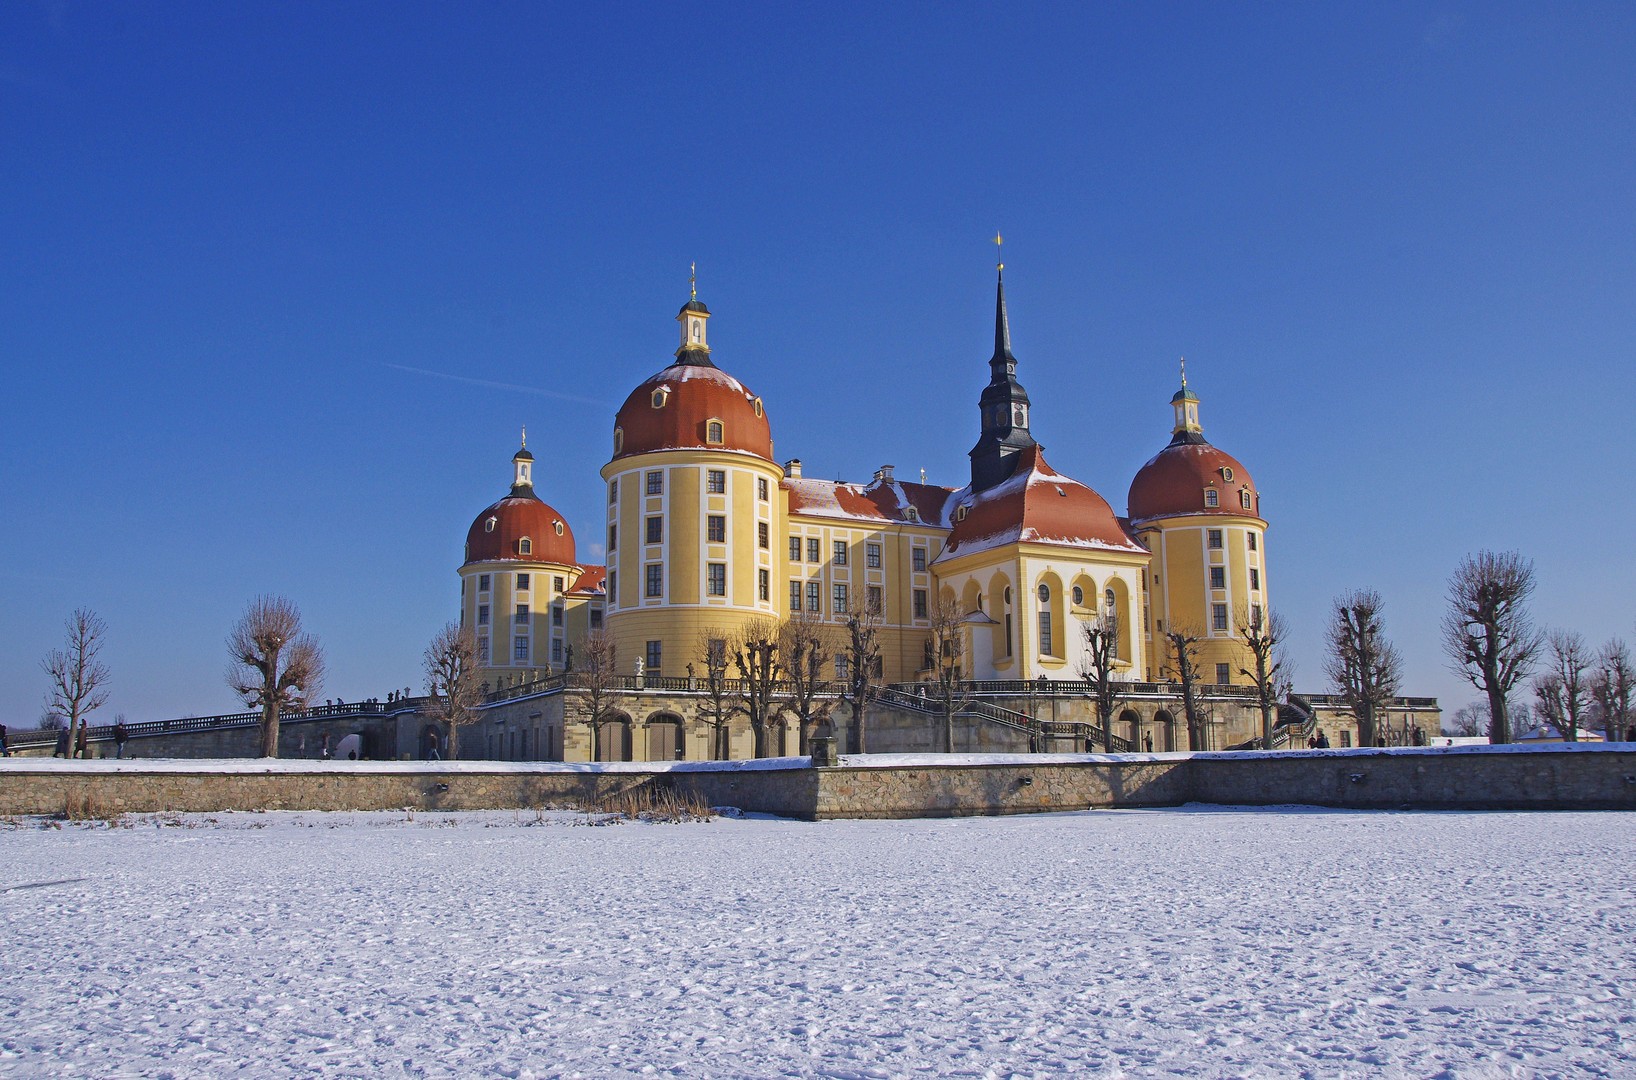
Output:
x,y
5,748
61,749
82,744
120,735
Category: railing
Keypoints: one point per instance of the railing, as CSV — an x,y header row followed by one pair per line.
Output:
x,y
1337,701
1091,735
35,737
1081,687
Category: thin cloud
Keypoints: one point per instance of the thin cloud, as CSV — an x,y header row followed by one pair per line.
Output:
x,y
492,385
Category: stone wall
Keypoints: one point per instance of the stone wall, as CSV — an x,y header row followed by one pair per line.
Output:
x,y
296,739
1560,777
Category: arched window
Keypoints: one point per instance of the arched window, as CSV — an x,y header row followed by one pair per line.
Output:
x,y
488,526
1244,498
713,431
525,546
1210,497
619,441
1108,598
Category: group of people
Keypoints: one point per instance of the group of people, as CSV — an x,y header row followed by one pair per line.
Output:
x,y
82,748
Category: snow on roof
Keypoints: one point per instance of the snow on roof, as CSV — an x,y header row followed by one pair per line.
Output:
x,y
592,580
881,501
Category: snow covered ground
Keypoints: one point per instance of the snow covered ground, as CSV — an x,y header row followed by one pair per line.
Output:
x,y
1192,942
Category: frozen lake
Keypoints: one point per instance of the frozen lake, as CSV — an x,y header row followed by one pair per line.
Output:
x,y
1192,942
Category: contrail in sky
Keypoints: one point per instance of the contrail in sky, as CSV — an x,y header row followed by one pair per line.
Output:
x,y
492,385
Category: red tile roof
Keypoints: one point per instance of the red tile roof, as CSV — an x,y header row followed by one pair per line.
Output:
x,y
1038,505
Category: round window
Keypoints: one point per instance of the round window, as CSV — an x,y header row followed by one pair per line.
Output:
x,y
1045,594
1079,595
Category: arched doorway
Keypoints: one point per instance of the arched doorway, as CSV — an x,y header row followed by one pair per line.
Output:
x,y
1131,721
664,737
1167,729
614,739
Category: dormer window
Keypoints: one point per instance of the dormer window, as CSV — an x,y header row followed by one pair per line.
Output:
x,y
558,527
660,396
757,404
1227,473
1244,498
960,513
1211,498
619,442
525,546
714,431
490,523
911,514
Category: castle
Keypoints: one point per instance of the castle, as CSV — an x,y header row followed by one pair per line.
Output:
x,y
707,532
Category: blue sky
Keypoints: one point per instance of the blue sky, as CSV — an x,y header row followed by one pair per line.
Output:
x,y
1396,242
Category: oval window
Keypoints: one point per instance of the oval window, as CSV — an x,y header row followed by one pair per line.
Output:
x,y
558,527
488,526
1045,594
659,397
1008,594
758,406
1079,595
1226,473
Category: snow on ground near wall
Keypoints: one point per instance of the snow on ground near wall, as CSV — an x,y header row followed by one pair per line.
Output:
x,y
1192,942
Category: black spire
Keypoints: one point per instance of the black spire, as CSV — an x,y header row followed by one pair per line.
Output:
x,y
1004,407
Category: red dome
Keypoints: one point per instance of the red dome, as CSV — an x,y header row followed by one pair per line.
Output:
x,y
689,396
499,532
1037,505
1174,482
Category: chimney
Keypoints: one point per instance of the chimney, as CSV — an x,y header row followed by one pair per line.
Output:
x,y
885,474
792,469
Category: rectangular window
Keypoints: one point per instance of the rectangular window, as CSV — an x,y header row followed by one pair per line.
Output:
x,y
519,649
482,583
761,488
715,528
522,582
1215,539
656,530
840,665
764,584
920,604
840,553
556,614
1211,498
656,580
613,537
815,596
655,658
656,483
716,578
1252,541
1224,674
1218,616
482,614
715,481
838,599
613,491
1218,577
1244,499
482,650
763,536
613,587
875,599
522,615
917,559
556,650
795,549
556,583
1255,578
871,556
1045,634
795,596
596,618
1346,738
1255,616
812,549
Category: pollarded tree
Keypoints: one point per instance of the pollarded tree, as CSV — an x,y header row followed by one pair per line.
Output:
x,y
1364,666
716,708
452,687
1563,690
1488,635
949,690
1264,633
594,684
274,665
78,678
1611,689
861,679
1183,646
1101,633
754,651
805,646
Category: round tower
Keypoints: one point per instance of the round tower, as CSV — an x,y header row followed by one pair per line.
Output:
x,y
693,510
1199,512
519,562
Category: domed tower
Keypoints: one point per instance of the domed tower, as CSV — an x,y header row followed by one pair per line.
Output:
x,y
1199,512
693,509
519,564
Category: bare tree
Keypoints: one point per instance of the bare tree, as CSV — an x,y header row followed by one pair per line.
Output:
x,y
948,689
1183,642
274,665
754,651
452,685
1364,666
1101,633
78,678
1468,721
1488,635
594,684
1563,690
51,720
863,624
1611,689
805,646
1264,633
716,710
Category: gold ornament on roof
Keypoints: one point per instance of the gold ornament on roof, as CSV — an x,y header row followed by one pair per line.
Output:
x,y
998,240
693,279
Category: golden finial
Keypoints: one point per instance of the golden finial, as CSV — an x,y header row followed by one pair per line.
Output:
x,y
998,240
693,279
1184,373
525,436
